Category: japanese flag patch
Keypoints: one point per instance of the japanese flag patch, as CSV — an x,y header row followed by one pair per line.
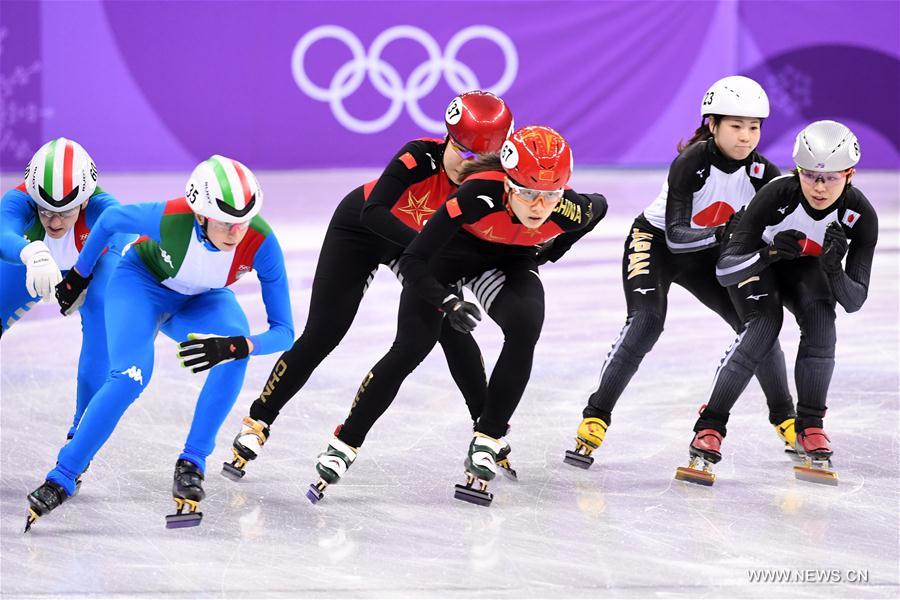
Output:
x,y
850,218
757,170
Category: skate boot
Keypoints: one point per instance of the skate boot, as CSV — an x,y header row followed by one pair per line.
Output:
x,y
813,447
42,500
187,489
332,465
503,461
590,435
481,467
788,435
705,452
246,447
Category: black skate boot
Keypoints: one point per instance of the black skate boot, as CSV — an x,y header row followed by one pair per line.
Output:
x,y
187,489
246,447
42,500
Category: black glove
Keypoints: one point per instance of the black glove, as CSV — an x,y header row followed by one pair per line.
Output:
x,y
833,248
71,290
785,245
723,233
463,316
202,352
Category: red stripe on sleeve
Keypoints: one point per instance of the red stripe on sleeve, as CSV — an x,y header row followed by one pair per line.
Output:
x,y
177,206
408,160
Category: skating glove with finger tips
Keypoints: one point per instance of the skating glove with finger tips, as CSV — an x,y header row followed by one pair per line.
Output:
x,y
723,232
833,248
202,352
71,291
41,271
785,245
463,316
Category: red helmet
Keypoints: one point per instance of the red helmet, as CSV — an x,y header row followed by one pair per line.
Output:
x,y
537,157
478,121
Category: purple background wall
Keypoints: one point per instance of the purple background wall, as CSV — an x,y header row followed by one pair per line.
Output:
x,y
161,85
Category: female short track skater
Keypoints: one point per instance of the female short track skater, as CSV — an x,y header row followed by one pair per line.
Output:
x,y
371,227
485,237
787,251
675,240
44,223
175,279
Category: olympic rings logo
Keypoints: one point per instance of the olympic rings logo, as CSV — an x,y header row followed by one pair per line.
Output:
x,y
386,80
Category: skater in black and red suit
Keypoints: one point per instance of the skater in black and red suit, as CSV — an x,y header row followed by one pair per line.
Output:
x,y
486,237
676,240
371,227
788,251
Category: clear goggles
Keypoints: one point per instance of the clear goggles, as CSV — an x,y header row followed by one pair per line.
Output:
x,y
64,214
226,227
530,196
828,179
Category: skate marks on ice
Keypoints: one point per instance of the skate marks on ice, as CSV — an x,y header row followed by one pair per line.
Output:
x,y
392,528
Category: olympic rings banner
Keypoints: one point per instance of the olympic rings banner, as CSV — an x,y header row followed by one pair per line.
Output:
x,y
294,85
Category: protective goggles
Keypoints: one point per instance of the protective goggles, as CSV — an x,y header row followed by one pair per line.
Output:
x,y
464,153
530,197
226,227
64,214
828,179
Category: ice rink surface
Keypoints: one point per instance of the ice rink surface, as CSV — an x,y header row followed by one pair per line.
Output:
x,y
391,528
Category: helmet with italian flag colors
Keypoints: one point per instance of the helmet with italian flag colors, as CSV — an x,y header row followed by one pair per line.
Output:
x,y
224,189
60,175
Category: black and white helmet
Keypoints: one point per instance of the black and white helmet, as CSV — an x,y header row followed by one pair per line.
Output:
x,y
826,146
735,96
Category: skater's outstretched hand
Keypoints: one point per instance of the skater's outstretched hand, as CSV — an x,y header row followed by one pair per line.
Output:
x,y
463,316
71,291
41,271
202,351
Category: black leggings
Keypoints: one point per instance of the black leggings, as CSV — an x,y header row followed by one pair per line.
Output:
x,y
349,257
648,270
519,311
801,286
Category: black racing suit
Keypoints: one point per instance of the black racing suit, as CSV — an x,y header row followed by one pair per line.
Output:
x,y
371,227
675,240
760,287
473,234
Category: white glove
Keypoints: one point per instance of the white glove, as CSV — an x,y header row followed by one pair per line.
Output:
x,y
42,274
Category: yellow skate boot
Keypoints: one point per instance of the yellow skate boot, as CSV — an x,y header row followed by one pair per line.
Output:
x,y
590,435
788,435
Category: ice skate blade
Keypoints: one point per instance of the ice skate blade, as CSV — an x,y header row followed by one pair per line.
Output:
x,y
30,520
578,460
815,475
315,493
229,471
467,494
179,520
507,470
695,476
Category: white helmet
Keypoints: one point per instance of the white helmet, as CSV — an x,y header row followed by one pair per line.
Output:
x,y
735,96
826,146
225,190
60,176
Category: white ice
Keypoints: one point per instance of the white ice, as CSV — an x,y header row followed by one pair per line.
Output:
x,y
624,528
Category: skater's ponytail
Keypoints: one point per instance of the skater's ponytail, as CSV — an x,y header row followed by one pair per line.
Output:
x,y
701,134
484,162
